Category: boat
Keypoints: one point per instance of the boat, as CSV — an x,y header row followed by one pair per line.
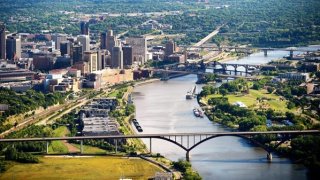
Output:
x,y
191,94
137,125
197,112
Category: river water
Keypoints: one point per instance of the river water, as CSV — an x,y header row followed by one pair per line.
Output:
x,y
161,107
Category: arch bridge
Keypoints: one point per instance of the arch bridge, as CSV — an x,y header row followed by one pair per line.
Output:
x,y
186,141
247,67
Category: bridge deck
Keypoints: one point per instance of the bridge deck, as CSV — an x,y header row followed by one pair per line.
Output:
x,y
306,132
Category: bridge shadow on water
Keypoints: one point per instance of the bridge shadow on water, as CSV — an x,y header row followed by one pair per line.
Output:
x,y
263,160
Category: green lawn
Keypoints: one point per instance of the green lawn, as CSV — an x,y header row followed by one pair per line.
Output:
x,y
250,100
82,168
58,146
90,149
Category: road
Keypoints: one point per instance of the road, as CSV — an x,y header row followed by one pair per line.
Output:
x,y
205,39
168,135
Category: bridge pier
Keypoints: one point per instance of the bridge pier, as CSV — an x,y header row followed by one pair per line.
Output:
x,y
81,146
188,156
291,54
47,147
269,156
116,142
265,52
150,146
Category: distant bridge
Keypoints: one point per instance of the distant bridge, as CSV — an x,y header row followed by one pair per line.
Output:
x,y
248,49
167,71
215,64
186,141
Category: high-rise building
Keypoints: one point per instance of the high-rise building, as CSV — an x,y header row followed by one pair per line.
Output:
x,y
84,28
65,48
117,57
92,59
139,49
13,47
58,38
102,58
103,40
111,41
2,41
43,61
85,41
127,56
77,53
170,48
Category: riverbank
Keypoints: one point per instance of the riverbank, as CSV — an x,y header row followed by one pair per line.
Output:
x,y
140,83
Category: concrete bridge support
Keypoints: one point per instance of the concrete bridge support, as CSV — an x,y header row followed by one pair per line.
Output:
x,y
150,145
291,54
269,156
47,147
188,156
81,146
265,52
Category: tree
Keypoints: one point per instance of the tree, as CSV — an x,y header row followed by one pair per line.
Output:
x,y
223,92
290,105
270,89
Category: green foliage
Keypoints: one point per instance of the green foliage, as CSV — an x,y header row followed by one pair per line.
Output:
x,y
181,165
290,105
13,155
307,148
130,109
185,168
30,132
3,166
22,103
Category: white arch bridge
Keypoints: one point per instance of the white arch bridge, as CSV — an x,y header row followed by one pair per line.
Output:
x,y
186,141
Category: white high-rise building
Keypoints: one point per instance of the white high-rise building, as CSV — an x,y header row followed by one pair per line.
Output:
x,y
85,42
139,49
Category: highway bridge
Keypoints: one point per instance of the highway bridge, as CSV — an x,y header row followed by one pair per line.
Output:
x,y
186,141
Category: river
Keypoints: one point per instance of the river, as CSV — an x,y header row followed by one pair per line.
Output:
x,y
161,107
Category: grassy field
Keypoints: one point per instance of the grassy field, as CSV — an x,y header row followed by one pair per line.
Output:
x,y
82,168
250,100
58,146
90,149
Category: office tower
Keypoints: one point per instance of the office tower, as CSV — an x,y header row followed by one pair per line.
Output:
x,y
63,62
170,48
65,48
127,56
51,45
111,41
85,41
92,59
77,53
103,40
84,28
102,58
58,38
13,47
2,41
43,61
139,49
117,57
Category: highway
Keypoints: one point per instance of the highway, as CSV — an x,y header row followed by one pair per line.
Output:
x,y
205,39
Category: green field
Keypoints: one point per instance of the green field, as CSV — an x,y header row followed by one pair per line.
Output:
x,y
82,168
58,146
250,100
